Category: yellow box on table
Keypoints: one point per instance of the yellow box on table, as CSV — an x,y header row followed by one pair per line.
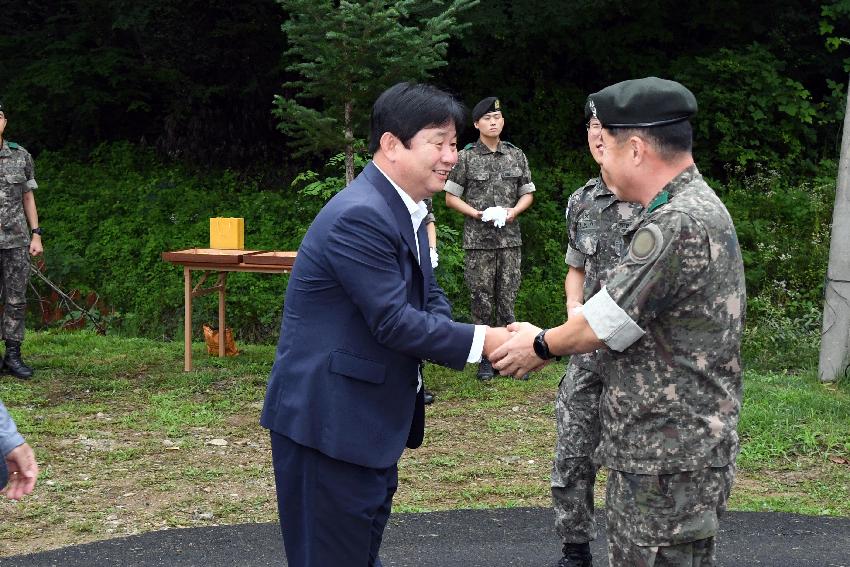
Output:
x,y
227,233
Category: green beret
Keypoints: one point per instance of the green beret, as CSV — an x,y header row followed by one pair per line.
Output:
x,y
642,103
486,106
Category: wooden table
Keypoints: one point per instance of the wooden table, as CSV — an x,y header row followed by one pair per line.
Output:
x,y
222,262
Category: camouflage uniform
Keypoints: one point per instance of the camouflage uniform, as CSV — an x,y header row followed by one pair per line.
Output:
x,y
493,255
596,222
17,176
430,216
672,315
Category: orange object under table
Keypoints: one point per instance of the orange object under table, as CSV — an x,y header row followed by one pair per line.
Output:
x,y
222,262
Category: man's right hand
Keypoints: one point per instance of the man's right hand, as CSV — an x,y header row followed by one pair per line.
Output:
x,y
494,338
23,471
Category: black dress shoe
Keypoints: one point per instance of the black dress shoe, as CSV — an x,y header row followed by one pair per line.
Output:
x,y
429,398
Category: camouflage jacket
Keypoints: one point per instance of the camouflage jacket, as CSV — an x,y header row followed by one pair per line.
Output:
x,y
490,179
17,176
596,223
672,315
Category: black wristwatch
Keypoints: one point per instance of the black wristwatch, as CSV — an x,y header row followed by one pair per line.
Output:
x,y
38,230
541,349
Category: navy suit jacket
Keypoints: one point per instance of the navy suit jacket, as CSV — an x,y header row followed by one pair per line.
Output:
x,y
360,314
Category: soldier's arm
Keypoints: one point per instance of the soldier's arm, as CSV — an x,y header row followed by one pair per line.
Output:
x,y
574,288
523,203
456,203
31,213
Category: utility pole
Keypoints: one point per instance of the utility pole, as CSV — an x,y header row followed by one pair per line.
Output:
x,y
835,336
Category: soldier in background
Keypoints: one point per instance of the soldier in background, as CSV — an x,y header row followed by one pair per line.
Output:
x,y
670,317
17,210
596,221
494,178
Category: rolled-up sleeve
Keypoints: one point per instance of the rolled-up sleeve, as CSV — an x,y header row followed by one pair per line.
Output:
x,y
527,185
30,173
457,177
574,258
9,436
610,323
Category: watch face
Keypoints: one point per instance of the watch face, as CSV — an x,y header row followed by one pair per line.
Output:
x,y
539,347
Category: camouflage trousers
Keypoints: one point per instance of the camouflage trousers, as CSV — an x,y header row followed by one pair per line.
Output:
x,y
493,278
15,274
573,470
666,520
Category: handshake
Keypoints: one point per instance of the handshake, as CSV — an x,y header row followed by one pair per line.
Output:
x,y
511,349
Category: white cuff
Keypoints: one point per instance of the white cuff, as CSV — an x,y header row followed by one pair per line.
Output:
x,y
610,323
477,347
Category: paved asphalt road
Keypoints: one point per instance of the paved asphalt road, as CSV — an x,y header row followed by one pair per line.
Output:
x,y
462,538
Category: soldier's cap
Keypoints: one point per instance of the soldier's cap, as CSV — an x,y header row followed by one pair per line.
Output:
x,y
486,106
641,103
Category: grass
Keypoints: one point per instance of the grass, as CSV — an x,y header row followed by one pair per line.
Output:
x,y
129,443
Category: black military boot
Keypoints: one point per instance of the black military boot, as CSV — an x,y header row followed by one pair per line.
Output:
x,y
576,555
12,363
485,369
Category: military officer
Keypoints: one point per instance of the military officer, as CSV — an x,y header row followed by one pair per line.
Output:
x,y
493,177
596,221
17,210
670,319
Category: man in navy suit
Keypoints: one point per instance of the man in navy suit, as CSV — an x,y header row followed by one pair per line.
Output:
x,y
362,311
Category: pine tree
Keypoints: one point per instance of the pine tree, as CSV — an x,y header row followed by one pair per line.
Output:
x,y
346,53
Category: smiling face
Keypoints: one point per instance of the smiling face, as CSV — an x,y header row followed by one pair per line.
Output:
x,y
423,168
490,125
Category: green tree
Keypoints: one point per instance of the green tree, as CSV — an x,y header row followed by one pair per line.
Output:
x,y
346,53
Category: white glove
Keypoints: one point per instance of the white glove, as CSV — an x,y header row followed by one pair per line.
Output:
x,y
435,258
499,215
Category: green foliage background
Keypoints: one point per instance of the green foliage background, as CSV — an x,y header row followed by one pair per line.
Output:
x,y
112,215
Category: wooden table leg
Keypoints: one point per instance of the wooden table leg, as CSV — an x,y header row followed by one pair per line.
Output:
x,y
187,319
222,282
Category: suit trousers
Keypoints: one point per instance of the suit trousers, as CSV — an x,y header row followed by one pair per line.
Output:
x,y
332,513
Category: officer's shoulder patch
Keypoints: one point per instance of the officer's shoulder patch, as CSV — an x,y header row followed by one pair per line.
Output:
x,y
646,243
469,146
508,144
14,145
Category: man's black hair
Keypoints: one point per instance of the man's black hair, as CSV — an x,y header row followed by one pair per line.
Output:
x,y
406,108
670,140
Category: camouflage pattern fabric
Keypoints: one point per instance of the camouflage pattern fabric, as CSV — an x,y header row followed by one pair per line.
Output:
x,y
430,216
484,179
672,396
596,222
15,272
17,176
573,470
493,278
668,519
